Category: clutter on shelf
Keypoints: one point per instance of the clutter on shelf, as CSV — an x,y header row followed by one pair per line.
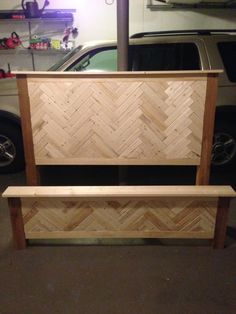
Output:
x,y
10,42
45,43
69,31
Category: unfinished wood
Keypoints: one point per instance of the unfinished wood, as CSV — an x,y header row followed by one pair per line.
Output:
x,y
136,217
221,223
123,211
17,223
203,170
117,74
119,191
32,176
117,122
115,162
118,234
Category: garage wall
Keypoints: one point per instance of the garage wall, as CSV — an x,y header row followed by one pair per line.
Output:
x,y
96,20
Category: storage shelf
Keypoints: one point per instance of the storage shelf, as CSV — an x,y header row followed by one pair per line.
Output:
x,y
6,18
37,20
16,51
9,13
13,51
53,51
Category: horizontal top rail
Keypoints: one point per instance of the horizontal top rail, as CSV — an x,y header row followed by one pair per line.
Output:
x,y
119,191
116,74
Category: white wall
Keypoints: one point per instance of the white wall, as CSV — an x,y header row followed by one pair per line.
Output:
x,y
187,19
96,20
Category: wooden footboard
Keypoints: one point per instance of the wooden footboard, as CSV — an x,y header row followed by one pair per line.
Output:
x,y
119,211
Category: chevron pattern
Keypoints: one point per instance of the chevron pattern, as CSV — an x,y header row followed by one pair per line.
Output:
x,y
182,215
151,120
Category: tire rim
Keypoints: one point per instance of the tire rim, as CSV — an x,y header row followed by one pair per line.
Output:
x,y
7,151
224,149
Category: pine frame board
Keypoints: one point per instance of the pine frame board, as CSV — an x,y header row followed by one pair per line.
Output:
x,y
150,191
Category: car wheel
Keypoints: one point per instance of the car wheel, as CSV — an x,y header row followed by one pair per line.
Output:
x,y
224,145
11,148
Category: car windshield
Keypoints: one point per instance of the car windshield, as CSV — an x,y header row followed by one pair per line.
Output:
x,y
69,55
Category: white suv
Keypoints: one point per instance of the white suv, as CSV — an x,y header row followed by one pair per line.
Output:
x,y
158,51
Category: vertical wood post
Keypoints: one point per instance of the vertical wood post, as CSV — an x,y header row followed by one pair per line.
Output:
x,y
17,223
221,222
203,170
32,175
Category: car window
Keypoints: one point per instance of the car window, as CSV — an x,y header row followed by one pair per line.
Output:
x,y
64,59
164,57
227,51
96,60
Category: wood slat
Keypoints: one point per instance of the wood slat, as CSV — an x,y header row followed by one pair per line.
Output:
x,y
191,73
221,223
119,191
32,175
120,161
17,222
119,234
203,170
150,120
138,218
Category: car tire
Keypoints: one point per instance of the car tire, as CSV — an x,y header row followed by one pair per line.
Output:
x,y
11,148
224,145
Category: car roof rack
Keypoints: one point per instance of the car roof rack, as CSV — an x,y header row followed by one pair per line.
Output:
x,y
184,32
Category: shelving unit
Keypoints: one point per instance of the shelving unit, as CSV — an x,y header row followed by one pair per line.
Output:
x,y
30,22
28,50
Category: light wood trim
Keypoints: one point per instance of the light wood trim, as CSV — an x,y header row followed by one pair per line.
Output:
x,y
119,234
32,176
203,170
120,161
122,78
17,223
117,198
120,191
221,223
116,74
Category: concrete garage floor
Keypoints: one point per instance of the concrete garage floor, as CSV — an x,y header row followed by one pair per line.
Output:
x,y
146,277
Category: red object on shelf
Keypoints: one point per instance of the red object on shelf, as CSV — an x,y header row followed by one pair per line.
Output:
x,y
11,42
18,17
4,74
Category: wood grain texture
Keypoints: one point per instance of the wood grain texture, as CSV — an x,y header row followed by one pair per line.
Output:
x,y
119,234
117,120
120,191
203,170
32,175
185,73
221,223
138,218
17,223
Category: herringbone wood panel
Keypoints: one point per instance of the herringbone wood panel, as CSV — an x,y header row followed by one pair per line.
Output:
x,y
141,216
112,119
